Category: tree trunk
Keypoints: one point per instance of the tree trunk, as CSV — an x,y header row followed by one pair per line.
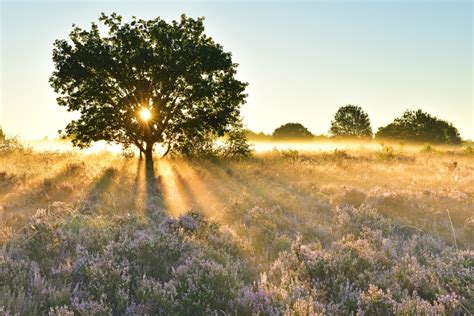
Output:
x,y
149,153
150,171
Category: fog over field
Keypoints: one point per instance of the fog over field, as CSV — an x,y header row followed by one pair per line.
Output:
x,y
258,146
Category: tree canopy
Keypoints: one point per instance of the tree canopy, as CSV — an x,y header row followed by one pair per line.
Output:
x,y
292,130
419,126
351,121
146,82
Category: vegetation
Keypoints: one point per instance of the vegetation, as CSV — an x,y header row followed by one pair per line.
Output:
x,y
284,232
351,121
236,146
292,131
261,136
8,144
419,126
147,82
387,152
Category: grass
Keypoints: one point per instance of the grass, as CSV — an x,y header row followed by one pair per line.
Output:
x,y
283,232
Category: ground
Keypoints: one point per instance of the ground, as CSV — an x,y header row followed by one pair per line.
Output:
x,y
331,231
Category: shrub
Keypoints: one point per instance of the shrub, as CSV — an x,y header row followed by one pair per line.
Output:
x,y
202,286
427,149
375,301
290,154
341,154
236,145
469,150
387,152
8,144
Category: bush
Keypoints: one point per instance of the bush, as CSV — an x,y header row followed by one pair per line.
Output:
x,y
198,145
8,144
204,146
387,152
202,286
469,150
236,145
427,149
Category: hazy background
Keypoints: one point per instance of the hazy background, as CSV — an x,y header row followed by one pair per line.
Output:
x,y
302,59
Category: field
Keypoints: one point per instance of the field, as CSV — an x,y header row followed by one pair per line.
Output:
x,y
363,230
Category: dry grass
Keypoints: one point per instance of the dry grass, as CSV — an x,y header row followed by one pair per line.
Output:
x,y
413,188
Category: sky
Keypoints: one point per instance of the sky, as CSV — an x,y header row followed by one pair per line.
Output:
x,y
302,59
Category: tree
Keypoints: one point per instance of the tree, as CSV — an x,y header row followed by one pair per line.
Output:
x,y
236,145
146,82
292,130
419,126
260,136
351,121
3,137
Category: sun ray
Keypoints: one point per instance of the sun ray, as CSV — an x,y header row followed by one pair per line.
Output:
x,y
203,196
140,187
176,201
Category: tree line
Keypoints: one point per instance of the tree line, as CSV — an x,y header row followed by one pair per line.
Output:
x,y
351,121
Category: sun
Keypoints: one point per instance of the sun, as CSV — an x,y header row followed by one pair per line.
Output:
x,y
145,114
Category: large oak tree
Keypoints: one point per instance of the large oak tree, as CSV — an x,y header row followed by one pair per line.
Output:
x,y
146,82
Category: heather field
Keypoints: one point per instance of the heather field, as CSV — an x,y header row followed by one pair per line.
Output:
x,y
374,230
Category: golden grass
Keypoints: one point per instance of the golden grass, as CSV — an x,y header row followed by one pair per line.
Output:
x,y
250,198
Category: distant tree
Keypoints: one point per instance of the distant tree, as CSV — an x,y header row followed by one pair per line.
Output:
x,y
419,126
322,137
146,82
351,121
251,135
292,130
3,137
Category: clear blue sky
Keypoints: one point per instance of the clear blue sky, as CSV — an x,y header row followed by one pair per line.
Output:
x,y
302,59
